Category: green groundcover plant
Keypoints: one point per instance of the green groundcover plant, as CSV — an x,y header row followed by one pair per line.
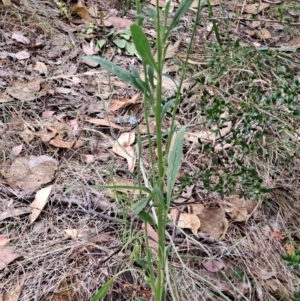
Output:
x,y
166,165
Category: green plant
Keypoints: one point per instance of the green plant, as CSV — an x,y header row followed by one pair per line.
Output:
x,y
293,261
167,165
62,8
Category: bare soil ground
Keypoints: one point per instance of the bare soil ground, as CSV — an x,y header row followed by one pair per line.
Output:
x,y
60,118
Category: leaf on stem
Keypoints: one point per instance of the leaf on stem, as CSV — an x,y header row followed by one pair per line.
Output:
x,y
174,163
142,45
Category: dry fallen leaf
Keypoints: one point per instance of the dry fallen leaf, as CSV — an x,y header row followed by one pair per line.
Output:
x,y
117,104
16,150
7,255
196,208
213,265
186,220
3,241
14,294
39,203
117,23
29,173
127,152
13,212
6,2
210,135
23,55
40,67
104,122
87,49
82,12
120,181
214,222
239,209
25,92
20,38
60,143
153,238
277,289
75,233
256,7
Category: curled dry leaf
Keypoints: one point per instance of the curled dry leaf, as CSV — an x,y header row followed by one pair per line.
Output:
x,y
7,255
87,49
196,208
153,238
214,222
39,203
16,150
27,135
127,152
117,104
40,67
122,147
59,143
75,233
117,23
239,209
103,122
186,220
29,173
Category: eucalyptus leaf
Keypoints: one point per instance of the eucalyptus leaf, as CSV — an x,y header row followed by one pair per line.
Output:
x,y
174,161
142,45
121,73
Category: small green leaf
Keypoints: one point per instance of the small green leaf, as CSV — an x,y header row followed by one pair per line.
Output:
x,y
101,43
130,48
151,76
120,43
142,45
146,217
103,290
121,73
181,10
174,161
166,107
140,205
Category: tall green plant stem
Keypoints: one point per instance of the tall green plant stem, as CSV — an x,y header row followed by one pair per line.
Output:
x,y
161,218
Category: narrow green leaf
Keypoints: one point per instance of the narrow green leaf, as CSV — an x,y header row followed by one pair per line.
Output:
x,y
142,45
167,106
181,10
146,217
159,194
140,205
121,73
150,71
103,290
174,161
